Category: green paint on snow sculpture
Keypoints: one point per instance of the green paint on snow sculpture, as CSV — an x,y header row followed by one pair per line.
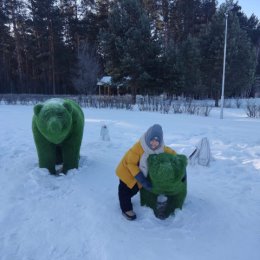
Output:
x,y
57,127
167,174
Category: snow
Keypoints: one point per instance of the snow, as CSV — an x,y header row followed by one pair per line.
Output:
x,y
55,101
77,216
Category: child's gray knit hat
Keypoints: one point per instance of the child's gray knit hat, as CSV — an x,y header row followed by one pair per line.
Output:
x,y
155,132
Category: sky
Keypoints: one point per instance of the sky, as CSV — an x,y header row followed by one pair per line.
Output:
x,y
77,216
248,6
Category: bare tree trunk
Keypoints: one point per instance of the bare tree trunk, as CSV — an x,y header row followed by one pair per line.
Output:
x,y
258,50
42,85
78,44
133,92
165,12
27,88
75,11
52,67
17,40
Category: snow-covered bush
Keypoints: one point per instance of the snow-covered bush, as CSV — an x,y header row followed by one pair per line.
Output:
x,y
253,110
205,110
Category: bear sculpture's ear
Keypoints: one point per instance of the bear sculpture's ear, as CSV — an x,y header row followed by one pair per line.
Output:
x,y
68,106
37,109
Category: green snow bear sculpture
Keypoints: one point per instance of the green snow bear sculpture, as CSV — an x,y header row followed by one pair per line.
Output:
x,y
57,127
167,173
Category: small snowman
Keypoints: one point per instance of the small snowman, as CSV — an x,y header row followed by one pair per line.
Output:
x,y
104,133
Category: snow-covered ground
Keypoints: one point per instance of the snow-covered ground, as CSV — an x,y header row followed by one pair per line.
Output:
x,y
78,217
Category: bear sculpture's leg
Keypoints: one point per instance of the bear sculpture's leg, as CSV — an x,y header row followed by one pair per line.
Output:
x,y
173,202
46,151
148,198
70,151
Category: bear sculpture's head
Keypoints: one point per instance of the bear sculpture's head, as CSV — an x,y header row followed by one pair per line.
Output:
x,y
167,173
54,119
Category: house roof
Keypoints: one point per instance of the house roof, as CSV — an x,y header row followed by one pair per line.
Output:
x,y
106,80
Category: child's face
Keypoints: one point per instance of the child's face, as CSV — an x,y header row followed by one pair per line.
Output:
x,y
154,144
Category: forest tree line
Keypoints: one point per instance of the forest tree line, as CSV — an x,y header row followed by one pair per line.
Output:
x,y
146,46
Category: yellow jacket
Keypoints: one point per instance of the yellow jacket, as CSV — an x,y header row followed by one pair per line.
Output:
x,y
128,167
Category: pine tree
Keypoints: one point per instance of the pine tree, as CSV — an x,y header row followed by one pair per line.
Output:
x,y
169,73
212,44
185,19
50,59
127,45
189,63
240,58
208,9
241,62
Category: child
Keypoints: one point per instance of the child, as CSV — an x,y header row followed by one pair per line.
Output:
x,y
132,169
